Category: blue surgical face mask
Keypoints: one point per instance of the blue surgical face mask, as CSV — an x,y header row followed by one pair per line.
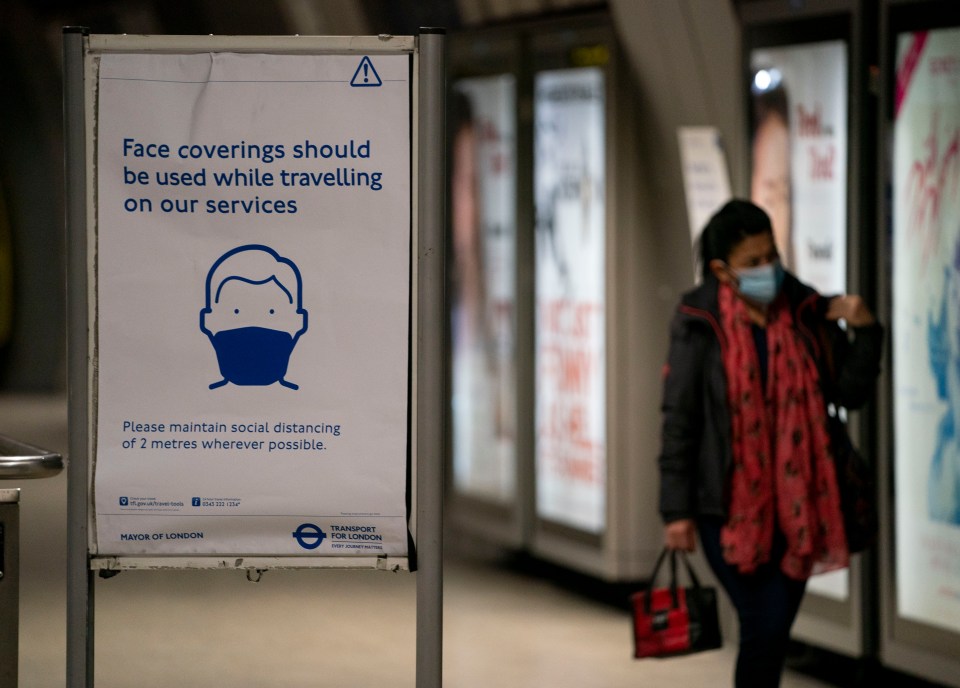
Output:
x,y
762,283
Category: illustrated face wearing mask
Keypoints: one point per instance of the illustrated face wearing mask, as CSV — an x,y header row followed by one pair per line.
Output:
x,y
253,316
753,268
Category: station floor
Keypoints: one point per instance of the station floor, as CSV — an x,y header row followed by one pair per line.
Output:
x,y
503,626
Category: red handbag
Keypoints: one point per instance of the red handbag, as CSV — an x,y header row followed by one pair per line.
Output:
x,y
675,621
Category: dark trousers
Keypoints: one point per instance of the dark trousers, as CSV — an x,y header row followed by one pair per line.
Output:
x,y
766,602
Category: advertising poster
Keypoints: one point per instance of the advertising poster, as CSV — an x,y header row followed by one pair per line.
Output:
x,y
252,258
483,182
799,156
799,174
570,359
926,326
706,183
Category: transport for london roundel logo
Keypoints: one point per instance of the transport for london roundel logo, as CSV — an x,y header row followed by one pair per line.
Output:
x,y
308,535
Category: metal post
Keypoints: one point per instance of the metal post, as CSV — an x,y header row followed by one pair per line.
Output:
x,y
79,578
430,387
9,586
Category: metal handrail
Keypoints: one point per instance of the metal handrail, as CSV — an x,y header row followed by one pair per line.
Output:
x,y
21,461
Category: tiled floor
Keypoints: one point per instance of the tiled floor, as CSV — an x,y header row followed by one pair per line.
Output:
x,y
502,627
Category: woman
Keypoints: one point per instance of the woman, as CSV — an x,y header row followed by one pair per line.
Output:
x,y
746,461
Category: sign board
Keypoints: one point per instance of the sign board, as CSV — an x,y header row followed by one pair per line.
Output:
x,y
255,228
483,183
569,183
926,329
252,304
799,156
706,183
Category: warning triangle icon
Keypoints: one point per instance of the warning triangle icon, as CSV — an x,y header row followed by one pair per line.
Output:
x,y
366,75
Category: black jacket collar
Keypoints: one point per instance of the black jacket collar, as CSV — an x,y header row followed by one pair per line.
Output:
x,y
808,307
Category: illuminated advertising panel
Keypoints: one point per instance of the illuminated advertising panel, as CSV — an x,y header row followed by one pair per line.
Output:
x,y
570,360
926,326
483,315
799,156
799,174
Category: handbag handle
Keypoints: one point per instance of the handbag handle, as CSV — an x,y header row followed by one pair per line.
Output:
x,y
695,582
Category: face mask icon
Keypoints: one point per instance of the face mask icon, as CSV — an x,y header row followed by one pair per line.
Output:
x,y
253,315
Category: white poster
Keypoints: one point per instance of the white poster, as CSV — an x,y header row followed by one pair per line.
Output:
x,y
252,256
706,183
569,188
926,326
799,168
799,174
483,202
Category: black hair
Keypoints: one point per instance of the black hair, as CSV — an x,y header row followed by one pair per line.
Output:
x,y
461,111
730,225
769,102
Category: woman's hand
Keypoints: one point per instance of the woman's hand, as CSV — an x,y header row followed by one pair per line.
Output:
x,y
680,535
850,308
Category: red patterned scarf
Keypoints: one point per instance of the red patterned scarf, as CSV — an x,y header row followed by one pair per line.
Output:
x,y
783,472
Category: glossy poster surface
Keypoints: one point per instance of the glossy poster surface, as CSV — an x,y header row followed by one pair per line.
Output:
x,y
569,189
706,182
253,255
799,156
483,295
926,326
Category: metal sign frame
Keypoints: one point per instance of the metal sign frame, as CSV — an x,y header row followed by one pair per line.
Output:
x,y
425,382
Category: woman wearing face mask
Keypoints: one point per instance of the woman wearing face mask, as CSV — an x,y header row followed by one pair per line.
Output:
x,y
755,359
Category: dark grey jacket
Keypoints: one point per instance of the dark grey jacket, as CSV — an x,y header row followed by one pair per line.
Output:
x,y
696,452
